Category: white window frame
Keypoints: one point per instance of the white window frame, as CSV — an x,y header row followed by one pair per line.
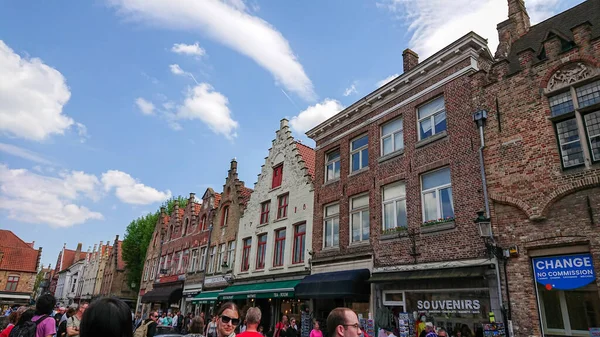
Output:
x,y
392,135
194,261
360,210
359,151
332,162
392,201
220,253
437,190
153,272
211,259
146,271
431,117
180,261
330,218
203,251
401,304
230,253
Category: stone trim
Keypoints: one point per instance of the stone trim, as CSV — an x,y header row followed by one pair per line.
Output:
x,y
431,139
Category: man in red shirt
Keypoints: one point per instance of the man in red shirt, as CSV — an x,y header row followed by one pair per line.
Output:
x,y
253,316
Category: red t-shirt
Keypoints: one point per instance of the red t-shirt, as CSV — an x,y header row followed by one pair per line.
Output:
x,y
7,331
249,334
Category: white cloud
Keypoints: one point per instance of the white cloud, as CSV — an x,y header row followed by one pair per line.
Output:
x,y
147,108
351,90
386,80
237,4
130,191
227,24
315,114
176,69
204,103
433,28
32,97
23,153
37,168
82,132
188,49
33,198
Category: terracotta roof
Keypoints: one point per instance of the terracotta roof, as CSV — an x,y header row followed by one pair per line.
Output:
x,y
17,255
217,200
308,155
197,207
245,193
70,258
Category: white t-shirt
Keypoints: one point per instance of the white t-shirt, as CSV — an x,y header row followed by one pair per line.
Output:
x,y
175,318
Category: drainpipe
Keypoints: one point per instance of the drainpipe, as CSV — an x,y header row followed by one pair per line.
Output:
x,y
480,117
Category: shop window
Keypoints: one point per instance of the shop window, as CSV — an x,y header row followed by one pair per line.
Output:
x,y
246,253
576,124
392,137
359,218
299,243
261,251
265,208
230,254
277,176
282,206
394,298
437,195
332,165
569,312
331,226
432,118
359,153
394,206
278,254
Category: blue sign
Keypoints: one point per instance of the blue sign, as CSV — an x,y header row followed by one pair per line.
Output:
x,y
564,272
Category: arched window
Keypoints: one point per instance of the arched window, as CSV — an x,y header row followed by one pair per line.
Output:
x,y
225,216
170,233
203,222
185,227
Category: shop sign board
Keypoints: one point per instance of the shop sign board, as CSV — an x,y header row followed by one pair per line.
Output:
x,y
449,306
564,272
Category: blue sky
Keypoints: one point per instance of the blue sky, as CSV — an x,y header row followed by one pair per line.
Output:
x,y
110,107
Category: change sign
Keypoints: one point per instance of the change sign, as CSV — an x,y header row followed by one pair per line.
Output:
x,y
564,272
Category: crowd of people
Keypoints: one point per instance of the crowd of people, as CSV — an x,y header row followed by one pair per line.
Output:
x,y
112,317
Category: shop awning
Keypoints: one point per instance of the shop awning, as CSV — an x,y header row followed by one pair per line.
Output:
x,y
277,289
465,272
206,297
170,294
340,284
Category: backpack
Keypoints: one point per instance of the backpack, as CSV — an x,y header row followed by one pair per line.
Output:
x,y
62,329
27,329
142,331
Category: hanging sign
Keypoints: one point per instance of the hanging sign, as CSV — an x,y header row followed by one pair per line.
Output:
x,y
564,272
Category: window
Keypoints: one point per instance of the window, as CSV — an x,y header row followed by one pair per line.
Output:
x,y
332,226
230,254
282,206
573,121
394,205
437,195
432,118
261,251
279,247
203,258
359,218
153,273
176,262
299,243
146,271
277,175
168,262
170,233
225,217
220,253
359,153
265,207
211,259
246,253
392,137
184,261
203,222
194,262
332,165
185,227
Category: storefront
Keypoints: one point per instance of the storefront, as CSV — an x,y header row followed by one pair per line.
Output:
x,y
460,296
8,299
273,298
567,294
205,302
189,292
328,290
164,296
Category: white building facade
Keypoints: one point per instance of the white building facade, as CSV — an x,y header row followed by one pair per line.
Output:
x,y
275,232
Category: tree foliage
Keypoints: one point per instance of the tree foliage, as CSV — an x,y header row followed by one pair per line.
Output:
x,y
137,238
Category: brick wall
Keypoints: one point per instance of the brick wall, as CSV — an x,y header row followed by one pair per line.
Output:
x,y
26,280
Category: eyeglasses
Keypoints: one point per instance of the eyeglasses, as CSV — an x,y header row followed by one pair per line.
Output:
x,y
227,319
355,326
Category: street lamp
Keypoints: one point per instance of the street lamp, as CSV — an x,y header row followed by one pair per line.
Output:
x,y
484,224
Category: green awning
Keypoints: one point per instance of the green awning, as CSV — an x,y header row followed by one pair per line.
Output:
x,y
277,289
206,297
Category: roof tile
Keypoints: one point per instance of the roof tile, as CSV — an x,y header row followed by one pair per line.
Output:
x,y
308,155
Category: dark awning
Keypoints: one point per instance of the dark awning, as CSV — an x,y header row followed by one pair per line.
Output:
x,y
340,284
463,272
170,294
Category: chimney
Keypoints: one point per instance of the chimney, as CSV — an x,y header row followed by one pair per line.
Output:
x,y
410,59
192,196
162,209
77,252
234,164
284,123
32,244
512,29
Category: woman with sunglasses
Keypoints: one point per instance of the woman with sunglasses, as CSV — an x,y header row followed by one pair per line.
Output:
x,y
228,318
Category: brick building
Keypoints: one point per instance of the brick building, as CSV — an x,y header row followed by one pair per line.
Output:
x,y
542,159
397,186
114,282
19,263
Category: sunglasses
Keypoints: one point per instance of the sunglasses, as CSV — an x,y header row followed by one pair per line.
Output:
x,y
227,319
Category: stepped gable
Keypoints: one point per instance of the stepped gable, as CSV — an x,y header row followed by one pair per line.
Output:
x,y
559,25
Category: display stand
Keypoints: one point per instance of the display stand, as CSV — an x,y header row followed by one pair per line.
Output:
x,y
494,330
406,324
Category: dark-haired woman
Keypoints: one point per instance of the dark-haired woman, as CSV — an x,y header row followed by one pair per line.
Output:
x,y
43,309
228,318
106,317
195,327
